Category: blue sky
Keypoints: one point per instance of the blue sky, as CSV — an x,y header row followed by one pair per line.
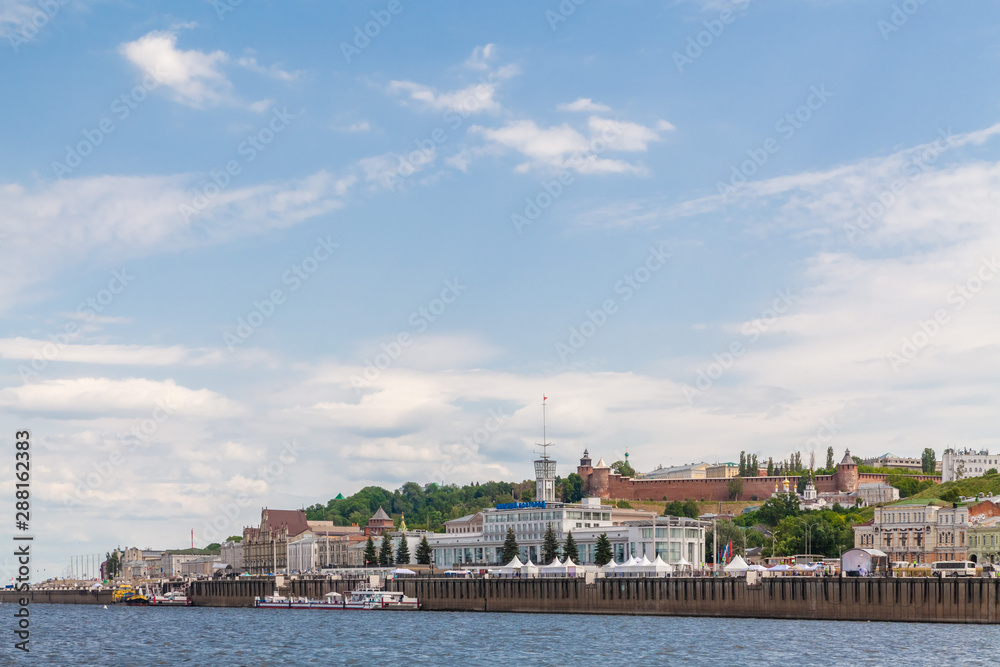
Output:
x,y
698,227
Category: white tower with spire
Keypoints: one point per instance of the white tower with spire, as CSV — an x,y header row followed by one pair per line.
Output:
x,y
545,468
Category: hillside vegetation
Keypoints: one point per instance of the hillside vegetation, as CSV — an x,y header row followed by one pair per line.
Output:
x,y
972,486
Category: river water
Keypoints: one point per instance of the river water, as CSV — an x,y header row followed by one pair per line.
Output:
x,y
92,635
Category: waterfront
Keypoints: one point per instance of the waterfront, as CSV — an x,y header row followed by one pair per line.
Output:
x,y
83,634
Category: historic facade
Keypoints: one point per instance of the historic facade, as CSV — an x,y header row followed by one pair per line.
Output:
x,y
599,481
917,531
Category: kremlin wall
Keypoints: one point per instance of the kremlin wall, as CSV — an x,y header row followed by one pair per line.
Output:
x,y
599,481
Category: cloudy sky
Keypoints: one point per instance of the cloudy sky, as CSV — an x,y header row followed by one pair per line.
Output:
x,y
264,253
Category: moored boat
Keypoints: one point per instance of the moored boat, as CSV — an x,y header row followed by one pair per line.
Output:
x,y
365,598
171,599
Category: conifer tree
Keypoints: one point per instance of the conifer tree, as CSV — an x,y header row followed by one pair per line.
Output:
x,y
569,549
371,558
403,552
770,467
550,547
424,552
510,548
385,551
603,556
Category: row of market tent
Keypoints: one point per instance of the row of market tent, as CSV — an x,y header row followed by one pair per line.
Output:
x,y
633,567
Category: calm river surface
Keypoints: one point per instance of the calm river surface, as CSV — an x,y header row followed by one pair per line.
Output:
x,y
92,635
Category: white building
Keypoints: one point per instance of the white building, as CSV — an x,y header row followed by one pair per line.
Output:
x,y
675,537
959,464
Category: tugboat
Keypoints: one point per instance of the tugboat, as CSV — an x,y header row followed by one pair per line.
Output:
x,y
127,594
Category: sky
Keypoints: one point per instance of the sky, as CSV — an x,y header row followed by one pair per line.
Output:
x,y
258,254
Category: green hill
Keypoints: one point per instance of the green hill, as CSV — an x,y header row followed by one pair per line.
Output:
x,y
972,486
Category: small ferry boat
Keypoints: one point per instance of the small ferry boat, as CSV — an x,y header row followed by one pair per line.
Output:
x,y
171,599
364,598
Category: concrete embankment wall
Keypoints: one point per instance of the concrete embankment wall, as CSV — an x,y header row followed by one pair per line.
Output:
x,y
913,600
57,596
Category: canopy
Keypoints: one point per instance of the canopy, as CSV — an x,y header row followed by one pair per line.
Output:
x,y
631,561
780,567
515,563
644,561
737,564
554,565
529,568
569,563
610,565
402,570
756,567
683,561
658,566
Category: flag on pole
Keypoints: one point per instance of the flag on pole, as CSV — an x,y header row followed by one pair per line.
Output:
x,y
544,398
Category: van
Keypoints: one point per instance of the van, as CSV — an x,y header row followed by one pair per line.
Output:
x,y
953,568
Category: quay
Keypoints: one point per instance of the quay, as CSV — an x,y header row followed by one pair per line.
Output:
x,y
974,600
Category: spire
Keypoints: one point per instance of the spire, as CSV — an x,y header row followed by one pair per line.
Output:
x,y
847,461
402,522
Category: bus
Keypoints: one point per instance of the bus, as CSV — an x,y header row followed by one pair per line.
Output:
x,y
953,568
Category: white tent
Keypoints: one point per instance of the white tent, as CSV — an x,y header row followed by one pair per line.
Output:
x,y
511,568
737,564
644,562
529,569
610,569
658,568
402,570
756,567
682,563
780,567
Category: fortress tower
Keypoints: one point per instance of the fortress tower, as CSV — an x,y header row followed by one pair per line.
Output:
x,y
847,473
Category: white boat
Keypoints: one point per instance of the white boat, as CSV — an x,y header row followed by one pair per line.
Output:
x,y
364,598
171,599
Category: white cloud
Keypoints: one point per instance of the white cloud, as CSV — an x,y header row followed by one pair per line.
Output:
x,y
563,147
100,397
193,76
360,126
95,353
273,71
481,55
53,226
584,104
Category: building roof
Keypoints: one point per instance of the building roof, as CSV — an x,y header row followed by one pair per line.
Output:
x,y
601,463
380,515
294,519
847,460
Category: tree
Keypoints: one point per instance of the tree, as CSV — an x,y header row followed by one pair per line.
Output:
x,y
603,554
402,551
829,458
743,464
778,507
623,468
727,531
550,546
510,548
691,509
928,461
424,552
572,488
370,556
214,547
801,485
385,551
735,488
770,467
570,550
754,467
